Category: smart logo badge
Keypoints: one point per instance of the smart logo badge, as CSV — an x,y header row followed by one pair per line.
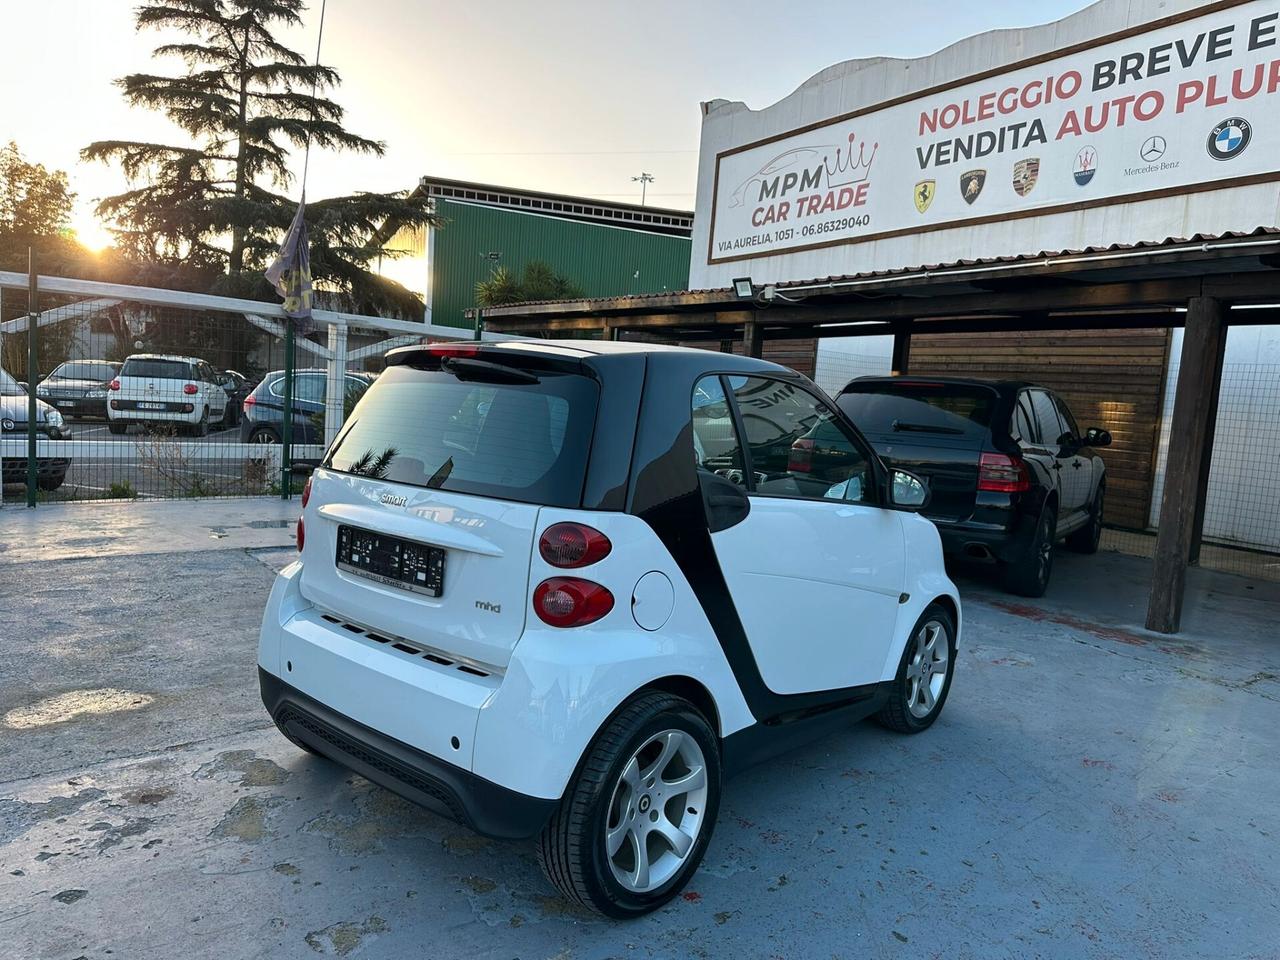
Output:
x,y
971,184
1229,139
924,194
1085,167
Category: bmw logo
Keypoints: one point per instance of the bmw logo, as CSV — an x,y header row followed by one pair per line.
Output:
x,y
6,424
1229,139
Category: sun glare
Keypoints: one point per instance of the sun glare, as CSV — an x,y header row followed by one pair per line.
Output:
x,y
91,233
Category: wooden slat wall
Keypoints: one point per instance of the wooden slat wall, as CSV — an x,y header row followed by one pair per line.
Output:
x,y
801,355
1109,378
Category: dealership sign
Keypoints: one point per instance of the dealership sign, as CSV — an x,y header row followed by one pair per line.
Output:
x,y
1179,106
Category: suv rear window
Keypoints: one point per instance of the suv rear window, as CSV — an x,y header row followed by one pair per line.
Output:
x,y
157,369
427,428
920,409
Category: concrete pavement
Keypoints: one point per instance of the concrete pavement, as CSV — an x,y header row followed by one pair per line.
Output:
x,y
1092,790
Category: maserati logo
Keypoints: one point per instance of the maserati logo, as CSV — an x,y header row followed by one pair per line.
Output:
x,y
391,500
971,184
1153,149
1086,166
924,193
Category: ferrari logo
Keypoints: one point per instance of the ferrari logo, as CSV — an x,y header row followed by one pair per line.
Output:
x,y
1025,174
925,190
971,184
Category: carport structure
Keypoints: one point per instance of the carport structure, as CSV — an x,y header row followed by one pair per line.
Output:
x,y
1204,284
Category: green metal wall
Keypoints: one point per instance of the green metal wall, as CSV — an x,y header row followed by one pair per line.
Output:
x,y
603,261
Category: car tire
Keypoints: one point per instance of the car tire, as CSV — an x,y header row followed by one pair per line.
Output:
x,y
923,680
49,484
117,428
616,799
201,428
1029,576
1087,538
263,435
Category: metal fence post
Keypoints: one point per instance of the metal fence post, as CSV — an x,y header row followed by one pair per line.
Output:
x,y
335,404
286,428
33,309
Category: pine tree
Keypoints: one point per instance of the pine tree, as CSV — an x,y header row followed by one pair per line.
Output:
x,y
215,207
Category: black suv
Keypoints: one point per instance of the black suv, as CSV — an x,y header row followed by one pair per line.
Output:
x,y
1009,470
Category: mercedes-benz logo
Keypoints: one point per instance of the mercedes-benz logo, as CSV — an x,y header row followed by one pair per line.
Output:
x,y
1153,148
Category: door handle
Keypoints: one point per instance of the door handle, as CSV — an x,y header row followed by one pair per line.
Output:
x,y
1057,465
1076,464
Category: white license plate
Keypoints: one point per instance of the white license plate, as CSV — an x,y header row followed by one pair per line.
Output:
x,y
64,403
150,406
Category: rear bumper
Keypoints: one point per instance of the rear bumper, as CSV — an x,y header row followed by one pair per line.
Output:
x,y
79,407
14,469
441,787
987,541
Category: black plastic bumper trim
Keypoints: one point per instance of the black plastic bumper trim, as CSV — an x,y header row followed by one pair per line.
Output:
x,y
428,781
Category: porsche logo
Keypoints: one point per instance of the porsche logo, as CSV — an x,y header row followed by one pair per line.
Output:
x,y
924,193
971,184
1025,174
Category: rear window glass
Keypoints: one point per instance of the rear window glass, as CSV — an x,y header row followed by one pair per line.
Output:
x,y
911,409
82,370
525,442
157,369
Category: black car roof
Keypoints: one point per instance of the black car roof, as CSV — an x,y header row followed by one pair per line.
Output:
x,y
1001,386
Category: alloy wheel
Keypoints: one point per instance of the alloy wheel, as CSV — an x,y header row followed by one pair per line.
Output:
x,y
927,671
657,811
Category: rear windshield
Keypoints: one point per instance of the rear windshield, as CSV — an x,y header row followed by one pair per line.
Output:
x,y
157,369
426,428
86,370
919,409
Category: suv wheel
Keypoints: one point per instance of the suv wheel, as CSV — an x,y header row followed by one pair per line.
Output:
x,y
638,815
1086,539
263,435
117,428
924,674
1029,576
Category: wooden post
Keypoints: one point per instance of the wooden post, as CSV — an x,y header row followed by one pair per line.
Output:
x,y
1198,373
726,346
901,350
1206,457
752,339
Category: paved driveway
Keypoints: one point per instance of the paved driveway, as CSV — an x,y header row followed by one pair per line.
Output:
x,y
1091,790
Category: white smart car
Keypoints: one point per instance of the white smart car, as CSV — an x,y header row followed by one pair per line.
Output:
x,y
565,589
154,389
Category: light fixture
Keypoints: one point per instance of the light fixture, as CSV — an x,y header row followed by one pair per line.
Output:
x,y
743,289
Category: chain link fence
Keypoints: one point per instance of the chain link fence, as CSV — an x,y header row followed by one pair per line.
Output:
x,y
144,394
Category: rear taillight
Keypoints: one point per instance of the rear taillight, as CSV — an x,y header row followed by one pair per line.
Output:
x,y
306,493
302,534
1000,473
570,545
454,349
190,388
249,401
801,458
570,602
114,385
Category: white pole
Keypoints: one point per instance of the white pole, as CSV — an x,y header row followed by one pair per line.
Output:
x,y
336,382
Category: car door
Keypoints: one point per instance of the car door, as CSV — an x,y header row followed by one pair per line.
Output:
x,y
817,567
214,396
1077,469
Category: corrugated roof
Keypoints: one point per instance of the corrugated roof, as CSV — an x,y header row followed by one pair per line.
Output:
x,y
1170,244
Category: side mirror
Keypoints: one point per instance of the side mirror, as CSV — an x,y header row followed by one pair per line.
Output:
x,y
726,502
907,491
1097,437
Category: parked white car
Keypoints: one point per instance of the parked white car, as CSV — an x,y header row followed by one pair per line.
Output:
x,y
564,589
161,389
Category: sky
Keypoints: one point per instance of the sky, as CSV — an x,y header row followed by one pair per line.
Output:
x,y
570,96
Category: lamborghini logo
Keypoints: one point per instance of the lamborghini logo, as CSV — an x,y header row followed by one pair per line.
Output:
x,y
971,184
924,192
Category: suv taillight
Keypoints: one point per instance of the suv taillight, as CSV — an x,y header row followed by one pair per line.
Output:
x,y
190,388
571,545
249,401
1000,473
114,385
570,602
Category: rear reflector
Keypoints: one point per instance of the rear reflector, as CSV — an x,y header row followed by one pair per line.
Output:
x,y
570,602
1000,473
570,545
